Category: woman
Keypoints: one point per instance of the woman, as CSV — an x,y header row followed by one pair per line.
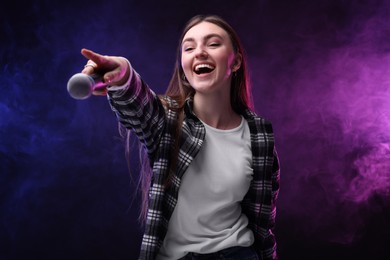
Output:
x,y
214,181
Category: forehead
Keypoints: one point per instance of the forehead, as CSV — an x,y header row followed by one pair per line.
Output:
x,y
204,29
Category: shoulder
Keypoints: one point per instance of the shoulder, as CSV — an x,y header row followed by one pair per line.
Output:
x,y
252,116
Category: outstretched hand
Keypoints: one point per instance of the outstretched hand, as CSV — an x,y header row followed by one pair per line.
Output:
x,y
114,70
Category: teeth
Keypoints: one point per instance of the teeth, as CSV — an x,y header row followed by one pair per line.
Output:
x,y
197,67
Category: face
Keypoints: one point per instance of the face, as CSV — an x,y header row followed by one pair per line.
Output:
x,y
208,58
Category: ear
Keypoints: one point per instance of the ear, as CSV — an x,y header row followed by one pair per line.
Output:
x,y
237,62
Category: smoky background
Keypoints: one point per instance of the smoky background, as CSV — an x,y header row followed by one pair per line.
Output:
x,y
319,72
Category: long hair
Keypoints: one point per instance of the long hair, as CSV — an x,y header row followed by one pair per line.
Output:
x,y
180,90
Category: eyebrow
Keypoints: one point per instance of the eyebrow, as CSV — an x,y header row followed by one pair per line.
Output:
x,y
211,35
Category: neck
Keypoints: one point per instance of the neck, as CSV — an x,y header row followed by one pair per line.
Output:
x,y
216,111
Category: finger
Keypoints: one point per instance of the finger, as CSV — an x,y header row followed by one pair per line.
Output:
x,y
90,67
88,70
95,57
100,92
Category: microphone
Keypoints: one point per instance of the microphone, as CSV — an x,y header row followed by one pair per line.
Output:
x,y
81,86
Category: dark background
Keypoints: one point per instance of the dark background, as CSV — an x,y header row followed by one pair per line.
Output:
x,y
320,72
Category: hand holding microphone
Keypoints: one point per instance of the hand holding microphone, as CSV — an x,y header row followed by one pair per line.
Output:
x,y
99,73
81,86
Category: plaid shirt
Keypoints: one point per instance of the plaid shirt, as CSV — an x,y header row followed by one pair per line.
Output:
x,y
140,109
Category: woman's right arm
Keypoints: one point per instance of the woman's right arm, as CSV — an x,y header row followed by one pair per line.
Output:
x,y
137,107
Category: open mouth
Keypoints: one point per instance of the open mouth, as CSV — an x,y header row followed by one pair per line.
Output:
x,y
203,68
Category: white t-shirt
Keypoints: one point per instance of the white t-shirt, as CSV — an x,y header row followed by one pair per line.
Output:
x,y
208,217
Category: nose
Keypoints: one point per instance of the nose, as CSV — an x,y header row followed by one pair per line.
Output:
x,y
201,52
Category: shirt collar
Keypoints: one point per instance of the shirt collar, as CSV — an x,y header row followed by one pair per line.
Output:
x,y
188,109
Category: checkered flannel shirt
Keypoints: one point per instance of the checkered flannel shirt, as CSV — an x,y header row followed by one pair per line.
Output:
x,y
140,109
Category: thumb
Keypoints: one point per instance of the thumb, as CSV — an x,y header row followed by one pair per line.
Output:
x,y
119,75
113,77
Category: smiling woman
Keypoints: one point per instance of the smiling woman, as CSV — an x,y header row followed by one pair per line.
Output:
x,y
213,180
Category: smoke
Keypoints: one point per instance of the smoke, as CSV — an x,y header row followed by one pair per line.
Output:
x,y
365,121
320,73
354,94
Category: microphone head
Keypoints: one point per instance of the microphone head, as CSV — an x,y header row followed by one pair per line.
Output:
x,y
80,86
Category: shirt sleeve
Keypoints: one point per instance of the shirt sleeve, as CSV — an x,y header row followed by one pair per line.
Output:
x,y
267,249
269,245
259,203
138,108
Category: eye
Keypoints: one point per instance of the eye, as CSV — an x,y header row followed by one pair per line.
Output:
x,y
214,44
187,48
